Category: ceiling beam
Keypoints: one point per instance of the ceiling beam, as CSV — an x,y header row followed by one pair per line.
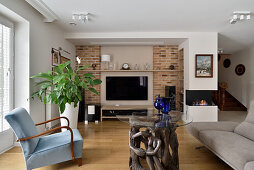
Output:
x,y
42,8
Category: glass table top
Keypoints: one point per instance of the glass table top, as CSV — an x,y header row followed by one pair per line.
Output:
x,y
152,119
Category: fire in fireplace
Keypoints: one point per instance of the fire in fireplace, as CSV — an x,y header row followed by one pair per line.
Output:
x,y
199,97
200,103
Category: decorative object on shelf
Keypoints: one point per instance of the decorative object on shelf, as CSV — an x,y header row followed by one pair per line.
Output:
x,y
146,66
110,66
226,63
240,69
105,59
55,56
171,67
94,66
63,86
114,66
158,68
136,67
126,66
63,59
204,66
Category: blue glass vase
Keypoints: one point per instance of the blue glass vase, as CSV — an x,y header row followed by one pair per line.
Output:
x,y
166,105
158,103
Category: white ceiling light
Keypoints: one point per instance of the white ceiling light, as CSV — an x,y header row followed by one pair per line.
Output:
x,y
240,16
83,17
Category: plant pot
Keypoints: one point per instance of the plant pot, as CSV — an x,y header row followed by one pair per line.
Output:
x,y
72,114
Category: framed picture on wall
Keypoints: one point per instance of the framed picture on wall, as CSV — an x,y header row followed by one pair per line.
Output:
x,y
55,56
204,66
64,59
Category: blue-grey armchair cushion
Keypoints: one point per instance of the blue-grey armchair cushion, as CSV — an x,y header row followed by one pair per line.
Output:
x,y
56,148
23,126
47,150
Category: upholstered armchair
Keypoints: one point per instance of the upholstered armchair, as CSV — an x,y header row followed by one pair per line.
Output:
x,y
40,150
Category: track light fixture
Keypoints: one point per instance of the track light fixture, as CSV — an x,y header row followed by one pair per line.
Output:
x,y
83,17
240,16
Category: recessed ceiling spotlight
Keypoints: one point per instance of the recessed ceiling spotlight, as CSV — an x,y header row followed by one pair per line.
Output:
x,y
72,23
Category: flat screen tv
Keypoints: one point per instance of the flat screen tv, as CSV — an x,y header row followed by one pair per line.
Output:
x,y
127,88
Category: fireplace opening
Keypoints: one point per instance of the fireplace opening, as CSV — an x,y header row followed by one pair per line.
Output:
x,y
199,98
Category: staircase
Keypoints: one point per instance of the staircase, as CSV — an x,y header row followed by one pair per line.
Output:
x,y
225,101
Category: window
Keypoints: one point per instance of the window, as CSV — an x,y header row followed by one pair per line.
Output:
x,y
6,78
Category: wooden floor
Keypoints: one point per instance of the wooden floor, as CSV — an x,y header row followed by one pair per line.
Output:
x,y
106,148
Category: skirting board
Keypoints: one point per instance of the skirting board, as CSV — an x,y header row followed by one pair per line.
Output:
x,y
203,113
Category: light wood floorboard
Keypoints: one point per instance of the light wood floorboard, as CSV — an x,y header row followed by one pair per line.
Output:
x,y
106,148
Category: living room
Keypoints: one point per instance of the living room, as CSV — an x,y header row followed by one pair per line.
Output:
x,y
126,84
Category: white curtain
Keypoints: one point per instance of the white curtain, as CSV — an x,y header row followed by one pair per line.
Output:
x,y
5,75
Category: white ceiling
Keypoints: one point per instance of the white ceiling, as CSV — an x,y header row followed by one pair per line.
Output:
x,y
160,16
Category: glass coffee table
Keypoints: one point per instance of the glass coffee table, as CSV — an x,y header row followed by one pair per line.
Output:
x,y
157,133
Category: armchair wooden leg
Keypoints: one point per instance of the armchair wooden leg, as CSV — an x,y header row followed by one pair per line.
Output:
x,y
79,160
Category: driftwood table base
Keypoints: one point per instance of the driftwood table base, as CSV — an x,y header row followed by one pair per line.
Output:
x,y
161,148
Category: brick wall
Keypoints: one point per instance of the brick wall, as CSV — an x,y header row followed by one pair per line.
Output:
x,y
163,57
90,55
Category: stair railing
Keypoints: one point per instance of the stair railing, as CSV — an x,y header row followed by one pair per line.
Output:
x,y
219,96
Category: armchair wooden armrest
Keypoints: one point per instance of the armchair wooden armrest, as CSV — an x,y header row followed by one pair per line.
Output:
x,y
62,117
51,130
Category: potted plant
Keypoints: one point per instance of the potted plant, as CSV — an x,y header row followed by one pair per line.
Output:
x,y
64,86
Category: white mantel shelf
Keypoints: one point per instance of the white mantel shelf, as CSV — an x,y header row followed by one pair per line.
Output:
x,y
133,70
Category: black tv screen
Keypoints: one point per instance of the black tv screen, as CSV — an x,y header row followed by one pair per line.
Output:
x,y
127,88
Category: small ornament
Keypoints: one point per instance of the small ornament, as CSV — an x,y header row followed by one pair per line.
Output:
x,y
125,66
94,66
146,66
136,67
226,63
240,69
171,67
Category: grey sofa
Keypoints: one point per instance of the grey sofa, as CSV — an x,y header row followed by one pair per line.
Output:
x,y
232,142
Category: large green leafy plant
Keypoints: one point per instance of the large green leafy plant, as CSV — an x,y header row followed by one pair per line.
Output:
x,y
64,85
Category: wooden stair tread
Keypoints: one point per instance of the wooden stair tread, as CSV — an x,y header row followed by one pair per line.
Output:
x,y
231,103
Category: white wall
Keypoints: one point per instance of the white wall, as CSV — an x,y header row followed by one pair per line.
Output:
x,y
133,55
241,87
202,43
42,37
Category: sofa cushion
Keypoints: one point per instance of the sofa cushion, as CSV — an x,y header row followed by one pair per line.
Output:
x,y
246,128
249,166
196,127
235,149
56,148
